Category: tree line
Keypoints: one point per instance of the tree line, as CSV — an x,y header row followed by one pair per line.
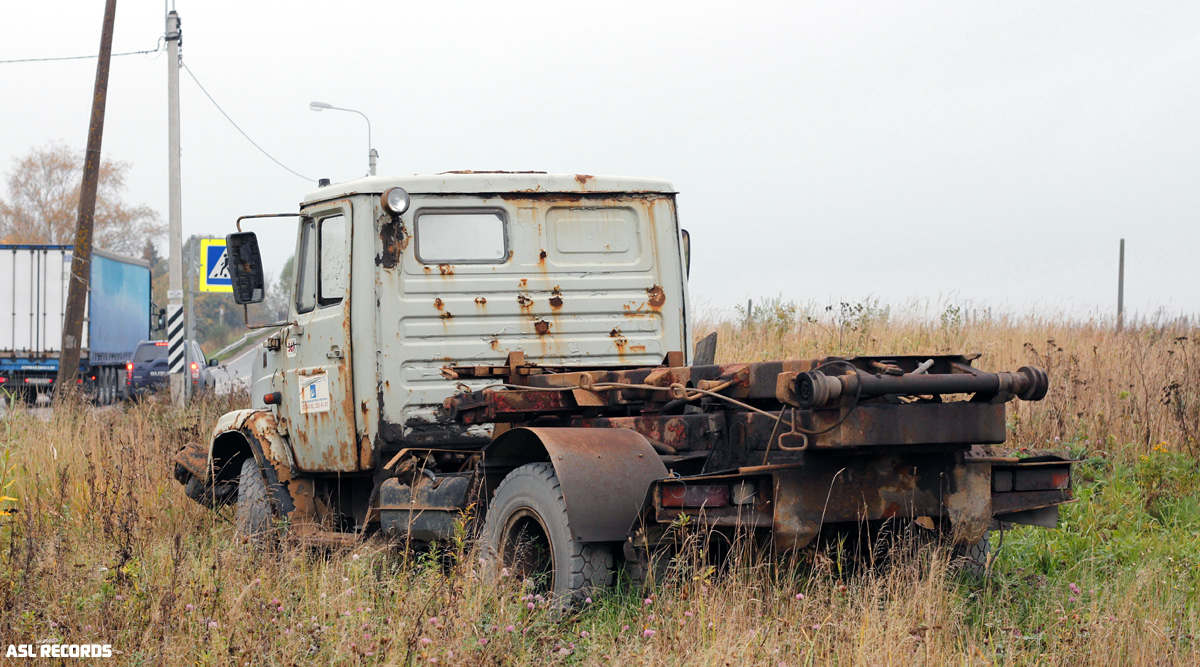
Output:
x,y
41,205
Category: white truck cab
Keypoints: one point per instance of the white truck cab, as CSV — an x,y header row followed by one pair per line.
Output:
x,y
462,269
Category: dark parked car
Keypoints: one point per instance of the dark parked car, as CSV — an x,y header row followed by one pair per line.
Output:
x,y
148,370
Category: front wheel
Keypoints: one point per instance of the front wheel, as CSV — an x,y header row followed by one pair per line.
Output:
x,y
253,508
527,534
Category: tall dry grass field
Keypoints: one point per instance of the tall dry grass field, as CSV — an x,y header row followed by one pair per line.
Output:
x,y
99,544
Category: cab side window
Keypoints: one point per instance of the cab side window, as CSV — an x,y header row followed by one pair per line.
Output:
x,y
332,260
306,269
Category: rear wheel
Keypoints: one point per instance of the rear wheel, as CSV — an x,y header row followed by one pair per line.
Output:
x,y
974,558
527,533
253,508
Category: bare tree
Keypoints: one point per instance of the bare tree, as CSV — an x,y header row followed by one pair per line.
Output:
x,y
43,203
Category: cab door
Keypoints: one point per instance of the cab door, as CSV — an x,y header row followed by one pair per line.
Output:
x,y
316,361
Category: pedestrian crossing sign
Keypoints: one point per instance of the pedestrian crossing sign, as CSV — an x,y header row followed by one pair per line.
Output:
x,y
214,266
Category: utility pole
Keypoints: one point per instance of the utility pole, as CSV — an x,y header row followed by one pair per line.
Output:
x,y
1121,289
81,259
175,332
193,258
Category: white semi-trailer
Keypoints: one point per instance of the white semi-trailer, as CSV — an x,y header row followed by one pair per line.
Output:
x,y
33,298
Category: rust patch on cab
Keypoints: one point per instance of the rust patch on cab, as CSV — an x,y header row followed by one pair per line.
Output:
x,y
437,303
655,296
446,269
582,179
524,301
556,300
480,301
542,327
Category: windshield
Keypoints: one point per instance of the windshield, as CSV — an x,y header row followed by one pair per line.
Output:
x,y
150,352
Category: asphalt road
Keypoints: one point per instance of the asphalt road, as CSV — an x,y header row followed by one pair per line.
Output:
x,y
235,373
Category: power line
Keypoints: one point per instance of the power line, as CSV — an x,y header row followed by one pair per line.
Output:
x,y
44,60
235,125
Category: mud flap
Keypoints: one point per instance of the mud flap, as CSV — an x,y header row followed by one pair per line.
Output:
x,y
969,506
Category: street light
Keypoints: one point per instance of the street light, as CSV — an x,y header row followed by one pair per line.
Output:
x,y
372,156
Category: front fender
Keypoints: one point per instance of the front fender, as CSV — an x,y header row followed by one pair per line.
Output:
x,y
604,473
235,436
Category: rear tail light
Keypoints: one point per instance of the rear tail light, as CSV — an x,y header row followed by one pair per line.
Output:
x,y
695,495
129,372
3,380
195,371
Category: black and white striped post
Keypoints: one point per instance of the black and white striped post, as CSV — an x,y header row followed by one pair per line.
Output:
x,y
175,341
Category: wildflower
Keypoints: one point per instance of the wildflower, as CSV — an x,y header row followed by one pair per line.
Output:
x,y
799,596
688,614
510,629
1071,599
647,633
212,624
1073,587
120,598
505,573
256,582
647,601
587,600
354,557
624,628
564,651
585,634
483,641
816,626
449,655
189,607
424,641
651,618
323,596
529,605
274,602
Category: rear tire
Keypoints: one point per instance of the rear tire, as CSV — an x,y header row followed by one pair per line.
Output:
x,y
253,508
528,534
973,559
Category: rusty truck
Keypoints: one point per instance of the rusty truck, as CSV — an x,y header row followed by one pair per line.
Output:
x,y
510,352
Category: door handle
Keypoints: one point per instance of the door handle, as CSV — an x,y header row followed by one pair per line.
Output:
x,y
335,353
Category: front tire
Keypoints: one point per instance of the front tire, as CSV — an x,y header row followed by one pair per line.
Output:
x,y
253,508
527,533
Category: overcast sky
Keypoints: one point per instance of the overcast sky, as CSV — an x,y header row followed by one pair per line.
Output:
x,y
983,154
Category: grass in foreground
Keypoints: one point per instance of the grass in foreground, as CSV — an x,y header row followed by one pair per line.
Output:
x,y
102,546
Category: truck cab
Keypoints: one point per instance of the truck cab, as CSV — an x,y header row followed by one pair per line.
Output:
x,y
463,269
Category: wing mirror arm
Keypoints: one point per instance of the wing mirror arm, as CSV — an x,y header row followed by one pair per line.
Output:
x,y
245,268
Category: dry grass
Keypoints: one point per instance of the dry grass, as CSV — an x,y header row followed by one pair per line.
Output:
x,y
103,547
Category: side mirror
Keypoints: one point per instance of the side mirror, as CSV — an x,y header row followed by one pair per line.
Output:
x,y
245,267
160,320
212,363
